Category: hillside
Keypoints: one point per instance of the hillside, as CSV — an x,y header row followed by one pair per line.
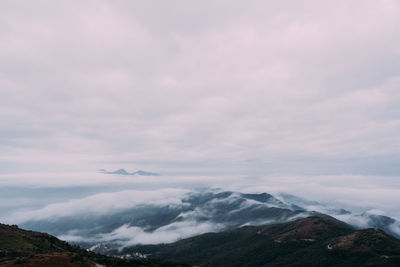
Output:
x,y
21,248
312,241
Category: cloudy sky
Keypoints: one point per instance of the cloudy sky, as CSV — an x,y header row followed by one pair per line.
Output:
x,y
294,96
205,87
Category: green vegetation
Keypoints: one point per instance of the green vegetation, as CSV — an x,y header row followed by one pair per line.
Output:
x,y
19,247
312,241
300,243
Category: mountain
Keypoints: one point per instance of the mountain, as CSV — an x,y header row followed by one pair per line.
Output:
x,y
365,219
146,223
19,247
124,172
191,214
312,241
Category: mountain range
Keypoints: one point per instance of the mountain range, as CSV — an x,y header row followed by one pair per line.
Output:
x,y
195,213
311,241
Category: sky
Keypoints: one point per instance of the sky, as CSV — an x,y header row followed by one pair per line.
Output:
x,y
213,89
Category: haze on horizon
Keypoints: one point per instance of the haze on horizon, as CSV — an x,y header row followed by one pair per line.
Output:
x,y
299,96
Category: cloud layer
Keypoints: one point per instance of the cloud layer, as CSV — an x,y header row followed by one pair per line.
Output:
x,y
130,235
213,86
103,203
33,196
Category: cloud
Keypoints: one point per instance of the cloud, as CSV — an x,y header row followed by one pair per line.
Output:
x,y
130,235
395,227
101,204
209,82
353,192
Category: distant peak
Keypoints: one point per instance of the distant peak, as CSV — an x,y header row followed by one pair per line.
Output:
x,y
124,172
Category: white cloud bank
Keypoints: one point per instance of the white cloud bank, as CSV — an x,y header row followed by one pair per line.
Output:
x,y
100,204
358,193
130,235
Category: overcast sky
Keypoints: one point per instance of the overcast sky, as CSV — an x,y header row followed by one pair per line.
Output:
x,y
209,87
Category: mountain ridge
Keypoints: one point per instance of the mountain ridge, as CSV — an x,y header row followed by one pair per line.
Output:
x,y
312,241
195,213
